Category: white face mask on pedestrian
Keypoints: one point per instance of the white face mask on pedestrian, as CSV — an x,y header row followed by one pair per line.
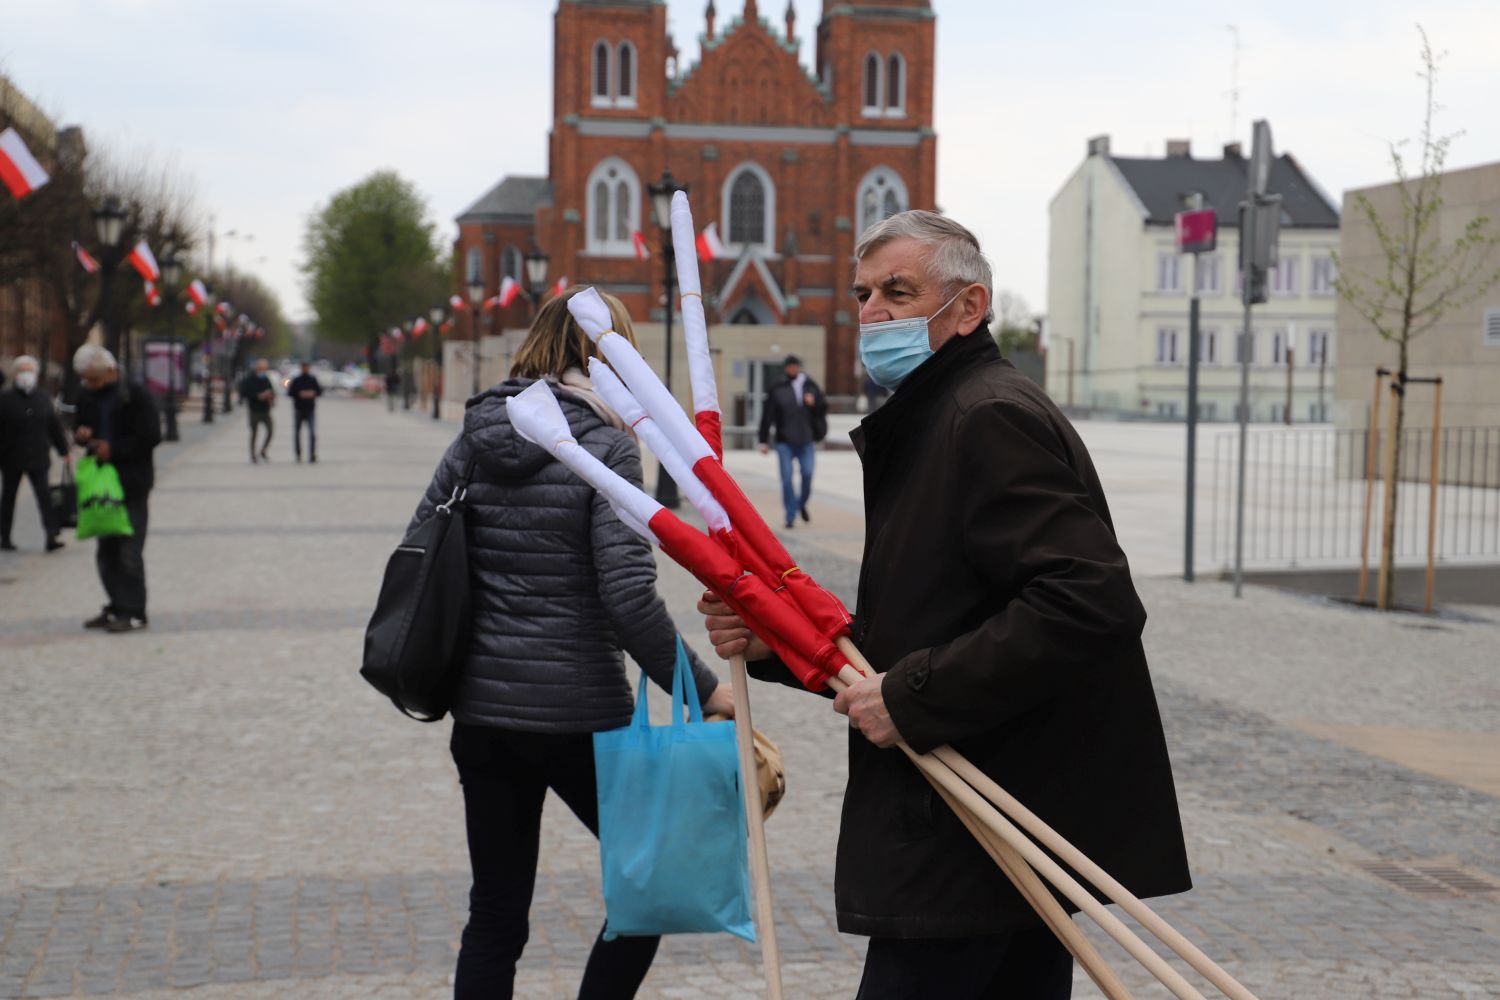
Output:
x,y
26,381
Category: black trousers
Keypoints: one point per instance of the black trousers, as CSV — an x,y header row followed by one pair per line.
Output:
x,y
505,776
10,486
1027,965
256,420
122,564
299,420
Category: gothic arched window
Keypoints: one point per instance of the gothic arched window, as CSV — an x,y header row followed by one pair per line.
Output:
x,y
614,208
625,90
749,207
601,73
895,85
474,265
881,195
872,84
510,264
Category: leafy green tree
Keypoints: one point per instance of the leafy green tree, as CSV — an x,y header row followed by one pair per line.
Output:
x,y
372,260
1420,277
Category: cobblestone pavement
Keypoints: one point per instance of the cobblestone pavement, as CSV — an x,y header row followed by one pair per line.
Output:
x,y
220,808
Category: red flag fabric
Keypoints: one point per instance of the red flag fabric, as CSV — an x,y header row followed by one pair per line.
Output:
x,y
560,286
458,303
144,261
710,247
223,308
446,327
638,242
509,289
711,425
153,297
197,291
85,259
18,168
419,327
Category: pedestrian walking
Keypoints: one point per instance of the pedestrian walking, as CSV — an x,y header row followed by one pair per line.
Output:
x,y
30,430
118,424
304,390
997,605
796,412
560,587
259,395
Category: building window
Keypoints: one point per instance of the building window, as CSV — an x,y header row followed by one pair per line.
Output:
x,y
614,208
881,195
1281,346
1492,328
1317,347
872,84
601,75
1244,348
625,92
1167,410
1166,346
1208,411
510,264
1284,277
1317,413
1208,273
1324,275
1208,347
1169,272
474,265
895,86
749,208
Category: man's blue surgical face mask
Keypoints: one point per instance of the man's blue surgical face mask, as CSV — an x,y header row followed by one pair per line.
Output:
x,y
893,349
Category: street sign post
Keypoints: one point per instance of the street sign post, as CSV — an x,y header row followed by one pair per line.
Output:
x,y
1197,231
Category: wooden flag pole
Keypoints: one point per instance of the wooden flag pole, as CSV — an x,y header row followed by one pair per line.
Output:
x,y
755,820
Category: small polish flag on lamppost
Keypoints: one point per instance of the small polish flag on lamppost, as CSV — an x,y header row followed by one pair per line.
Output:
x,y
197,292
153,297
561,286
224,308
509,289
419,327
191,307
18,168
85,259
457,303
638,241
144,261
710,247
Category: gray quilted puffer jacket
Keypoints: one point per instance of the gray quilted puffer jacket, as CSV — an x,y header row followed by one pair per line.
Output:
x,y
560,586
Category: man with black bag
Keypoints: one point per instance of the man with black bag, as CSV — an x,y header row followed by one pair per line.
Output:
x,y
29,430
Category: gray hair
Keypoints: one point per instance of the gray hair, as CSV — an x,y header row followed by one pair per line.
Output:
x,y
24,361
92,359
954,259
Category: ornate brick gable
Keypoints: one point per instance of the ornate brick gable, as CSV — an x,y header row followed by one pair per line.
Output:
x,y
749,76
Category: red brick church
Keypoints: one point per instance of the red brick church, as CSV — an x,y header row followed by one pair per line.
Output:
x,y
791,162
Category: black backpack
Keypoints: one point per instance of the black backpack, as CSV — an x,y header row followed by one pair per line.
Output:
x,y
418,636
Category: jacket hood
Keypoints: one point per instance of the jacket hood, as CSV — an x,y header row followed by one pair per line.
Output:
x,y
503,452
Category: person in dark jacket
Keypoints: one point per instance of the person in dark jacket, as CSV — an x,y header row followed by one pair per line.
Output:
x,y
797,413
29,431
304,390
259,396
560,587
118,424
997,605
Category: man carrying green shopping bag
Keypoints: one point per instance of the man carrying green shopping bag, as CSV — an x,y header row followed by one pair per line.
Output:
x,y
119,427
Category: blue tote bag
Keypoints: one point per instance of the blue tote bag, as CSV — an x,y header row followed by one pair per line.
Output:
x,y
672,837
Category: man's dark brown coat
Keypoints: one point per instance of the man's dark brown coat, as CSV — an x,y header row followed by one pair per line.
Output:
x,y
995,598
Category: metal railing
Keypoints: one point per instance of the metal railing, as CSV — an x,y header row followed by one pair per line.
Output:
x,y
1305,496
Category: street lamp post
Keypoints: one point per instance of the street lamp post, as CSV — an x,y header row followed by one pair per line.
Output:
x,y
109,223
536,276
407,373
209,306
476,302
231,362
436,315
171,277
661,204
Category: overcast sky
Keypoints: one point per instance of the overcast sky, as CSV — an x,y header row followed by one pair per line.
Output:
x,y
270,107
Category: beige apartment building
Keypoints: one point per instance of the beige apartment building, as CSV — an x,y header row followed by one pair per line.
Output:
x,y
1118,291
1463,348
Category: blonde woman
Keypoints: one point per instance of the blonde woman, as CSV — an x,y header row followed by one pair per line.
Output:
x,y
560,589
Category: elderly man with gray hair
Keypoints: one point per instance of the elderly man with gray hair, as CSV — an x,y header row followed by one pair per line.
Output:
x,y
997,605
118,424
29,431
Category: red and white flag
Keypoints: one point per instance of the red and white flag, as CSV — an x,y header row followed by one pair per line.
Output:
x,y
419,327
144,261
18,168
509,289
191,307
446,327
458,303
224,308
197,292
85,259
710,247
638,241
219,322
561,285
153,297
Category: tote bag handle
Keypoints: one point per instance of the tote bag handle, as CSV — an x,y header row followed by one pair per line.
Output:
x,y
683,692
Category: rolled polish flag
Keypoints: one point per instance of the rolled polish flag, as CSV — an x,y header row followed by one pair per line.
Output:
x,y
710,247
85,259
18,168
198,292
144,261
695,331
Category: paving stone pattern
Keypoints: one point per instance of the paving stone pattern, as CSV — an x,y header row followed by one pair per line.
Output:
x,y
219,808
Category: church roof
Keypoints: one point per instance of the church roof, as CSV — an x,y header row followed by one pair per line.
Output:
x,y
514,199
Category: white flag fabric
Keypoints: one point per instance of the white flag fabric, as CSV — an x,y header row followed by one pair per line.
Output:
x,y
694,324
538,418
618,398
18,168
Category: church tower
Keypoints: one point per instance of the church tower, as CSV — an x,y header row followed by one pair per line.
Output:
x,y
609,59
875,57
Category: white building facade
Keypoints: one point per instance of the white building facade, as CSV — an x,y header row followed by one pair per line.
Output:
x,y
1118,292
